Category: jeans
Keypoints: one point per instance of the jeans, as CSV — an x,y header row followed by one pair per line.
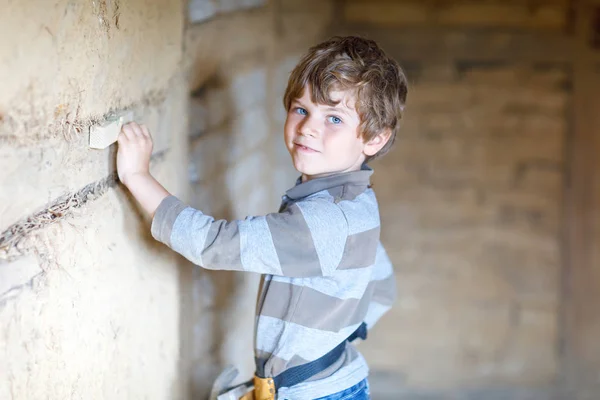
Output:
x,y
360,391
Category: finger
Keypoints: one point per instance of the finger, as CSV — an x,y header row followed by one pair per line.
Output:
x,y
137,130
122,138
128,132
145,131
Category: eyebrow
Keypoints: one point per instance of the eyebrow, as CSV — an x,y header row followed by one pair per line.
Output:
x,y
298,103
342,109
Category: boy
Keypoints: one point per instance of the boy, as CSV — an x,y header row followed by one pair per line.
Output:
x,y
325,276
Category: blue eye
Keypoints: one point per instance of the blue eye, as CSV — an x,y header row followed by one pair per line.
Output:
x,y
301,111
334,120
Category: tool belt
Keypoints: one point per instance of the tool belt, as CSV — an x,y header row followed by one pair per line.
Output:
x,y
265,388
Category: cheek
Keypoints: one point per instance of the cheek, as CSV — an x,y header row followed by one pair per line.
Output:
x,y
339,139
291,121
288,128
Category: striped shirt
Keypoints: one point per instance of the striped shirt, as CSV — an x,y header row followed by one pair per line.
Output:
x,y
324,272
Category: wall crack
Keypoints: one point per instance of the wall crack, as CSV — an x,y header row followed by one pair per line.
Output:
x,y
12,240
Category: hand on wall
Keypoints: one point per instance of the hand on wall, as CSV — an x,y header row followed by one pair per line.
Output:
x,y
133,167
135,149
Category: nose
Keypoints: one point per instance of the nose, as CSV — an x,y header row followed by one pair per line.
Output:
x,y
309,127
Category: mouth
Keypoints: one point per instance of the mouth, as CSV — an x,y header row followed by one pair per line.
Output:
x,y
305,149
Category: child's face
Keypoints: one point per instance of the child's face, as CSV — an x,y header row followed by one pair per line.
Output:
x,y
324,140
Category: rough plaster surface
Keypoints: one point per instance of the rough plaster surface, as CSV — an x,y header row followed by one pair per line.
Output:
x,y
70,61
94,309
102,320
55,166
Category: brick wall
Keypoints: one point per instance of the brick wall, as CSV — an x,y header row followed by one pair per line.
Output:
x,y
472,197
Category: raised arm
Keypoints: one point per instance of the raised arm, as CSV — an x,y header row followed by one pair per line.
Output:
x,y
307,239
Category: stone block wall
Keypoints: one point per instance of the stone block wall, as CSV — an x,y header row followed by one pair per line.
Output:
x,y
472,197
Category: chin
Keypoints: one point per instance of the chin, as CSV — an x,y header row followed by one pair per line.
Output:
x,y
305,169
313,173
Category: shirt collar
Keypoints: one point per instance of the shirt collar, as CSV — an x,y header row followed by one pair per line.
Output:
x,y
361,177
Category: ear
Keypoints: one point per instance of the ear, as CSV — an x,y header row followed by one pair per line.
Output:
x,y
377,143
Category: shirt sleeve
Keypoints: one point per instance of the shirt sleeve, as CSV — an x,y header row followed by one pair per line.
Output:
x,y
384,293
307,239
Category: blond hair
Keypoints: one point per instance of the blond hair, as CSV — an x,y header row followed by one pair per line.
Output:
x,y
359,65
